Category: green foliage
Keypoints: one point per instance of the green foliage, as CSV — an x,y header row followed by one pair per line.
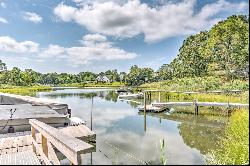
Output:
x,y
198,84
138,76
234,148
222,52
23,90
162,152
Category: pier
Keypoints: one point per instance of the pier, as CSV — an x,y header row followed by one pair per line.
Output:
x,y
35,131
159,106
37,148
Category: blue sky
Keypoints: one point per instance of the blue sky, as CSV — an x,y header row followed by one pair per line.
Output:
x,y
80,35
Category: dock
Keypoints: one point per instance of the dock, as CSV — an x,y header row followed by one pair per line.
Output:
x,y
13,146
17,117
128,96
203,104
36,131
12,99
197,104
151,108
160,107
16,110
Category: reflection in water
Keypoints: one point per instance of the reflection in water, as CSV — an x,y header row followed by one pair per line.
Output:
x,y
124,137
197,131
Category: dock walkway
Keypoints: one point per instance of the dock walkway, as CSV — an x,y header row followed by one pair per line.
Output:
x,y
21,158
13,150
204,104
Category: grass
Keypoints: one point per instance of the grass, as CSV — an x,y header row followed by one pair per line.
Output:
x,y
203,97
201,84
234,149
163,159
198,84
23,90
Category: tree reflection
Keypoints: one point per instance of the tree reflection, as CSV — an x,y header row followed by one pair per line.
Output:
x,y
197,131
107,95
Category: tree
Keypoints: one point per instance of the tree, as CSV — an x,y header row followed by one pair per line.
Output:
x,y
228,46
165,72
138,76
221,51
3,66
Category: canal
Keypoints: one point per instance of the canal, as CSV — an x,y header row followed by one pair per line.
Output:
x,y
125,136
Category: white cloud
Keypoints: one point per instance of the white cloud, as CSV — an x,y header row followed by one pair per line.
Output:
x,y
53,51
131,18
95,47
33,17
3,5
65,12
9,44
94,37
3,20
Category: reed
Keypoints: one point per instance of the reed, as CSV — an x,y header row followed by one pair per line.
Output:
x,y
234,147
23,90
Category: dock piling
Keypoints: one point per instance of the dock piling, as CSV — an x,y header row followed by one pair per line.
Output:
x,y
196,108
159,97
144,102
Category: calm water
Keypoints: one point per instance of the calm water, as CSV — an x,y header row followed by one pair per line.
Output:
x,y
125,136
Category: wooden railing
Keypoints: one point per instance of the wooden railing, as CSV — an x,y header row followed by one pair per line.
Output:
x,y
70,147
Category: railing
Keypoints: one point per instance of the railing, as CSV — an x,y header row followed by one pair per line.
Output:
x,y
70,147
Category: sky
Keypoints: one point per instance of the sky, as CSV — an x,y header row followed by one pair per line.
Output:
x,y
82,35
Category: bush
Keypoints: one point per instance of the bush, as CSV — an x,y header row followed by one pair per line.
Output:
x,y
198,84
235,146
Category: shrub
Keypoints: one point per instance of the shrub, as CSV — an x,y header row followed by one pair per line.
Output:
x,y
235,146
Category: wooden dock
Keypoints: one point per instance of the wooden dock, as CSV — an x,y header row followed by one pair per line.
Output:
x,y
12,99
21,158
197,104
13,150
151,108
193,92
204,104
17,116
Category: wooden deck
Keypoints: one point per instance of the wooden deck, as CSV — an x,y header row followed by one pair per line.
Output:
x,y
20,158
204,104
12,148
12,99
191,92
151,108
18,116
81,132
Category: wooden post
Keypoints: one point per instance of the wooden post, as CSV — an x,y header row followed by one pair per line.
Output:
x,y
228,108
196,110
45,146
33,132
79,159
144,102
159,97
69,112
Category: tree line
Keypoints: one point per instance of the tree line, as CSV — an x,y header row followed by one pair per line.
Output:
x,y
222,52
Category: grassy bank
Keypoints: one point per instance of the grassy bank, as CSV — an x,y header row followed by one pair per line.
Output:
x,y
203,97
23,89
234,147
198,84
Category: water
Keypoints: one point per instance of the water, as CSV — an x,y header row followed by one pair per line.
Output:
x,y
125,136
